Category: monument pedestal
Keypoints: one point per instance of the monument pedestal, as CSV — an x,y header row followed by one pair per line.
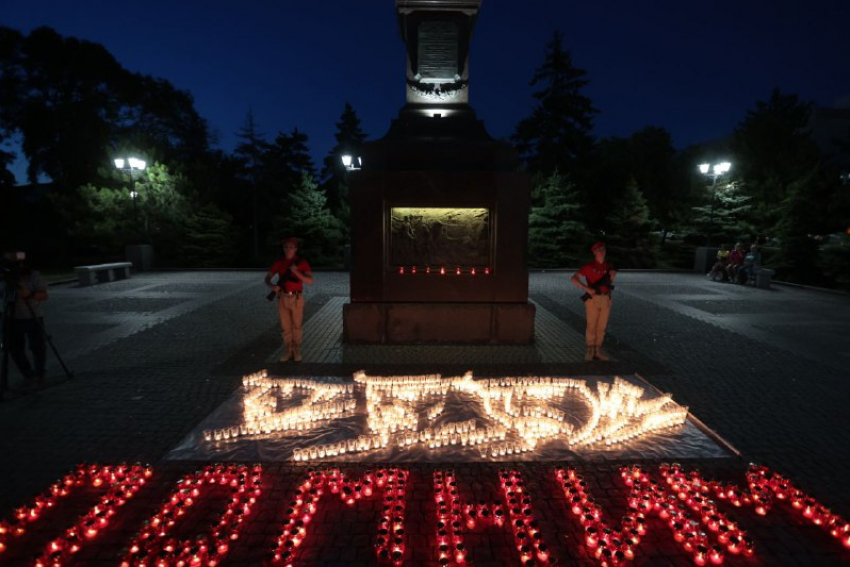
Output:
x,y
438,323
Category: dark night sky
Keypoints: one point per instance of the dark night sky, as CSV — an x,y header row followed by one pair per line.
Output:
x,y
694,71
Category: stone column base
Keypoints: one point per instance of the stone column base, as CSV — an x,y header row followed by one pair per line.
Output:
x,y
438,323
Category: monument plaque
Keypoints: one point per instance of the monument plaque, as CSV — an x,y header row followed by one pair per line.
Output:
x,y
438,47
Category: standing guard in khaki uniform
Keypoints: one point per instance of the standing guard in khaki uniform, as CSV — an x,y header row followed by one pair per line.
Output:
x,y
292,273
598,283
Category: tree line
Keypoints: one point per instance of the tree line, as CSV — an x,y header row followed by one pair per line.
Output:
x,y
72,107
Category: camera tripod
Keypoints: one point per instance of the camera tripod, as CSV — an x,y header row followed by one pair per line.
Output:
x,y
10,297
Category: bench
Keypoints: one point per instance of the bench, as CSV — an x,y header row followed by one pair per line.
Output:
x,y
101,273
761,277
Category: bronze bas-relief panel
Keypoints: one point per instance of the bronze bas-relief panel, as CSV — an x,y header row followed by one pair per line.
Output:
x,y
440,237
505,195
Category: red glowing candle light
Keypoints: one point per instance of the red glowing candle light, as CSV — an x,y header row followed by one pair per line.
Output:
x,y
715,555
591,537
442,271
734,545
701,555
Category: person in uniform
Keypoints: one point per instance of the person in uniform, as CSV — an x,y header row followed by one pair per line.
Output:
x,y
598,283
292,273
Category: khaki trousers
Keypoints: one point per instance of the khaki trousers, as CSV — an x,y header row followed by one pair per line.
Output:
x,y
598,310
290,308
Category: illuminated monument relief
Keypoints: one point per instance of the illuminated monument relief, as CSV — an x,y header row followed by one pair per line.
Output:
x,y
439,208
433,237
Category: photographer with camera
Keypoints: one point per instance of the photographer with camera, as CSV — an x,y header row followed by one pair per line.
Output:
x,y
598,284
292,273
24,290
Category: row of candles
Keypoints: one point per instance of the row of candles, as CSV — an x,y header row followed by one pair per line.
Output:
x,y
617,411
521,406
389,542
690,499
686,508
324,401
407,388
517,514
683,517
442,270
122,482
450,547
361,444
608,545
526,530
764,488
154,546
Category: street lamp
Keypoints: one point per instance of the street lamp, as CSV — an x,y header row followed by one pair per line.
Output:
x,y
130,166
713,171
350,164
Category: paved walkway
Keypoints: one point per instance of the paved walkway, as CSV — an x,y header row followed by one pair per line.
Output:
x,y
155,354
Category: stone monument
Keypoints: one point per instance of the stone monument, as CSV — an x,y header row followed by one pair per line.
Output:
x,y
439,212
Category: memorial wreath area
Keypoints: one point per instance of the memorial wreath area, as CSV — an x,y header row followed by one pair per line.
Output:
x,y
427,470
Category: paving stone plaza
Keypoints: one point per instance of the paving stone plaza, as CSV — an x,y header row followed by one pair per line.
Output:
x,y
153,355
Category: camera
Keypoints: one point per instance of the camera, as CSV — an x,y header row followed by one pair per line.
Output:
x,y
10,269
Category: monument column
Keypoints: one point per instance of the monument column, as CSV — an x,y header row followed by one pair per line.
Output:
x,y
439,211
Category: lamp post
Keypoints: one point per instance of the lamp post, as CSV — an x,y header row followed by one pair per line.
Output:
x,y
130,166
351,163
713,171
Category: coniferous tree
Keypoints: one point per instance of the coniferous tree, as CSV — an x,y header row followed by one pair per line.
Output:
x,y
650,163
250,151
209,240
109,217
773,148
730,217
7,198
801,219
557,134
285,162
308,218
349,140
630,223
555,227
7,178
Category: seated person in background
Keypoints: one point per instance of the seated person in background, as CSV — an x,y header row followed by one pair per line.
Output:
x,y
751,265
719,268
735,260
